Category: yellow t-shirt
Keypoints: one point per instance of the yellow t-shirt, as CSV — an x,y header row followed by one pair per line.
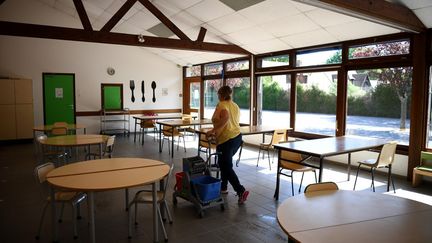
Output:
x,y
232,128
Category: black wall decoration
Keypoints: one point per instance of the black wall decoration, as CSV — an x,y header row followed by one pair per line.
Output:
x,y
142,90
132,87
153,85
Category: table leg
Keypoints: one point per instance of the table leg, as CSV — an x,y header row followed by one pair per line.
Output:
x,y
320,169
91,216
349,166
135,129
172,142
160,138
85,130
263,137
53,215
100,150
155,215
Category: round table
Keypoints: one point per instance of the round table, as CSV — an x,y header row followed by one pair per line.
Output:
x,y
354,216
76,140
107,174
47,128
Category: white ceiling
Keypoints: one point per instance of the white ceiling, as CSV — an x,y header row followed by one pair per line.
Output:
x,y
271,25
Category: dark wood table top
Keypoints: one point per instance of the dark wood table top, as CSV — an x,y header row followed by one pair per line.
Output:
x,y
331,146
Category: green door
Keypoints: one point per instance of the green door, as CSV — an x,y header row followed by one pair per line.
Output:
x,y
59,98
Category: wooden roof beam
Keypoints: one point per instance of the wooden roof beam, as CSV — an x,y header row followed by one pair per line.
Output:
x,y
82,14
201,34
117,16
158,14
377,11
62,33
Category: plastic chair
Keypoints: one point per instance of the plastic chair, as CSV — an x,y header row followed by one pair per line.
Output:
x,y
146,197
292,162
384,160
167,133
424,169
278,136
72,198
323,186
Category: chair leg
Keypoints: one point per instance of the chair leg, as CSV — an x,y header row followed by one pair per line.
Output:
x,y
238,159
268,156
355,182
162,225
184,143
127,199
259,154
136,212
41,220
61,213
130,222
316,180
74,221
301,182
276,193
390,178
373,179
292,182
170,220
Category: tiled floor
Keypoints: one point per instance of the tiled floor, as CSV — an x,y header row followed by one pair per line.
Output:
x,y
21,201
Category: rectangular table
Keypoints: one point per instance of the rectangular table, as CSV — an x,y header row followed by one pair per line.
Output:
x,y
178,123
324,147
156,117
246,130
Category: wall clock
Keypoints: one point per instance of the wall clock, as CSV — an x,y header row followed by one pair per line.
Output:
x,y
110,71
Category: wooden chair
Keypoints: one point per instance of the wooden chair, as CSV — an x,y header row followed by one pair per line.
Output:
x,y
44,153
323,186
424,169
145,125
384,160
72,198
108,149
169,132
146,197
292,162
59,131
278,136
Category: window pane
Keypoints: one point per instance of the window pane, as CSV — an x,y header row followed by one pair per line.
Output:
x,y
238,65
276,61
194,101
328,56
379,103
316,102
274,100
241,96
210,96
213,68
193,71
380,49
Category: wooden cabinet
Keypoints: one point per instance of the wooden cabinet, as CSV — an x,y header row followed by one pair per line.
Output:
x,y
16,109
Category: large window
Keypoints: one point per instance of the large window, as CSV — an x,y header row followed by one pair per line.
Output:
x,y
382,49
274,100
210,96
319,57
213,69
379,102
237,65
316,102
429,128
274,61
193,71
241,96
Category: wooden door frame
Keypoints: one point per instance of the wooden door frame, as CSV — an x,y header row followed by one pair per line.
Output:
x,y
186,95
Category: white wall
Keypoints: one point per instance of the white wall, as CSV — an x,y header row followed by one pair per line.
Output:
x,y
30,57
